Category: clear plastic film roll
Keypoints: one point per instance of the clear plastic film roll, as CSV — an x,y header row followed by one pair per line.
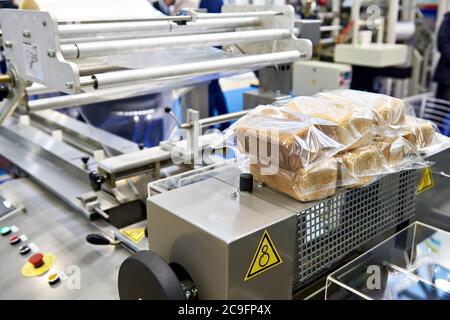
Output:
x,y
309,147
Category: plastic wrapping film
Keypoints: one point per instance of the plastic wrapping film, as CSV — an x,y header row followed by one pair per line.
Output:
x,y
309,147
88,10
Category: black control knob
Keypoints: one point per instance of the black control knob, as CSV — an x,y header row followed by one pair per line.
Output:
x,y
96,181
141,146
4,92
246,182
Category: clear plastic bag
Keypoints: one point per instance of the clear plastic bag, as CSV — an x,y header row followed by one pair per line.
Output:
x,y
388,113
304,185
310,146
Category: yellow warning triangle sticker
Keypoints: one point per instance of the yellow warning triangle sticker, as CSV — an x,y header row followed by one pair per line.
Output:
x,y
134,234
426,182
266,257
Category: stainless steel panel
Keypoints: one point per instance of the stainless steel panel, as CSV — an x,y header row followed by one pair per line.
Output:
x,y
94,136
214,236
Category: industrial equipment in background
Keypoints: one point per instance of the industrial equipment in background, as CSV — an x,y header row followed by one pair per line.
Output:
x,y
311,77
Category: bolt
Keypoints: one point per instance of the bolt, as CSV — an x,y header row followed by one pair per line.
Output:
x,y
8,44
51,53
26,33
69,85
44,23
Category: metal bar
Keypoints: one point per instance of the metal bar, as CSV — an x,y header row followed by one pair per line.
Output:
x,y
217,119
222,118
227,15
327,41
355,13
68,101
196,68
153,19
76,30
92,49
5,79
392,20
330,28
186,18
137,35
102,213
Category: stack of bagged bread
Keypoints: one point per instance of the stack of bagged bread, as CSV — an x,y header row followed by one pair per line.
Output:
x,y
309,147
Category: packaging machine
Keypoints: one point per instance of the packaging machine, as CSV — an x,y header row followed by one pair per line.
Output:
x,y
173,223
107,57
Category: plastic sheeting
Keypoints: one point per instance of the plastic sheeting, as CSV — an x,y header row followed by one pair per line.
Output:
x,y
309,147
88,10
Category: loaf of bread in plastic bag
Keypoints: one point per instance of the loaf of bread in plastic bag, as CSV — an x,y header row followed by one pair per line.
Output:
x,y
359,166
387,111
341,122
292,139
317,183
421,132
393,150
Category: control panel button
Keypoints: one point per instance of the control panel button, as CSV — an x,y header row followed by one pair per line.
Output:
x,y
14,240
5,231
53,279
37,260
24,250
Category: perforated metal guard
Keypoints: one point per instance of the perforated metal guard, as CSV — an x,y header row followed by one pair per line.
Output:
x,y
333,228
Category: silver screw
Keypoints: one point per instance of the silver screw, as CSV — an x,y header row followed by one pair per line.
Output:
x,y
8,44
51,53
69,85
26,33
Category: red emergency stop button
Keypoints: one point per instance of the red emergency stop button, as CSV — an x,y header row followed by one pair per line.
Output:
x,y
37,260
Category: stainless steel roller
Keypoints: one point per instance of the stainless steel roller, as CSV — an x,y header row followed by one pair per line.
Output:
x,y
108,79
108,48
79,30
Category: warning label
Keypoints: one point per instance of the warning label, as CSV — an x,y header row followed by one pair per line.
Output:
x,y
426,182
266,257
134,234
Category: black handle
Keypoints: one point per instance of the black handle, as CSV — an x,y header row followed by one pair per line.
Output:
x,y
97,239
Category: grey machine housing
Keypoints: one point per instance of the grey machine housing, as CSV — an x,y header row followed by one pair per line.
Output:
x,y
213,231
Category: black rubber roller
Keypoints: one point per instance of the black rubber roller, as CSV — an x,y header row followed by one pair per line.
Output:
x,y
145,276
246,182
